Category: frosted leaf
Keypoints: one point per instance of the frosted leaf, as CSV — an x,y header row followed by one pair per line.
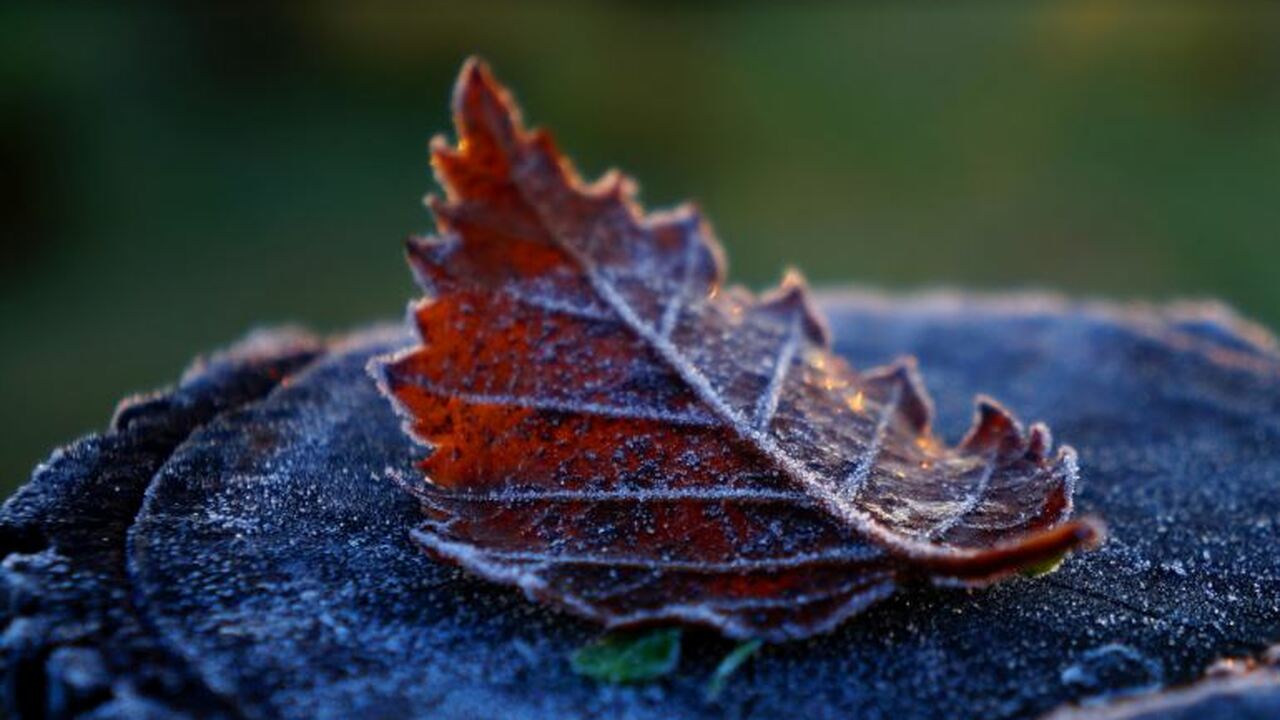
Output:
x,y
617,433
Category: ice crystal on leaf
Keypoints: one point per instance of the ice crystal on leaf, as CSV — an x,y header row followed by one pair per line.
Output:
x,y
616,432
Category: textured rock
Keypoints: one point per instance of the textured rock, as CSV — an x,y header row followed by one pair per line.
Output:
x,y
1254,695
73,641
268,572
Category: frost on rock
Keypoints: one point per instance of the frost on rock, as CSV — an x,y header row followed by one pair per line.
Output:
x,y
269,573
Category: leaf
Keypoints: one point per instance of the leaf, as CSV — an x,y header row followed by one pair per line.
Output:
x,y
1048,566
629,657
617,433
728,666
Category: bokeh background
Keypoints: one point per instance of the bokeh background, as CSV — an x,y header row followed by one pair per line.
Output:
x,y
173,175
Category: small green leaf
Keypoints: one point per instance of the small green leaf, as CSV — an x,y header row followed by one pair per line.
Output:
x,y
728,666
628,656
1043,567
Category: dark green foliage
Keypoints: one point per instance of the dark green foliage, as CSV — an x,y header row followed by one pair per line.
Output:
x,y
629,656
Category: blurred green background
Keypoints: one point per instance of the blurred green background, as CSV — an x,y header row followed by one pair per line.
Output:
x,y
172,176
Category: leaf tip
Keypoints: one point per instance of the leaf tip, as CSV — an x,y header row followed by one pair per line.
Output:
x,y
902,376
793,301
473,67
474,80
994,430
1039,441
482,106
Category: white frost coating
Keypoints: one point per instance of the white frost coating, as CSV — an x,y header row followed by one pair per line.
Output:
x,y
377,368
1069,462
734,626
863,553
636,496
1064,467
702,387
971,501
538,403
862,469
767,405
535,587
555,305
672,310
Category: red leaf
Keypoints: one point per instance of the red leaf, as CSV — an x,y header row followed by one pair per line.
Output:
x,y
616,433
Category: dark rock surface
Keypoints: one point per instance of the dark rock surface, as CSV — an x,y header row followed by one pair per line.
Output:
x,y
73,641
268,573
